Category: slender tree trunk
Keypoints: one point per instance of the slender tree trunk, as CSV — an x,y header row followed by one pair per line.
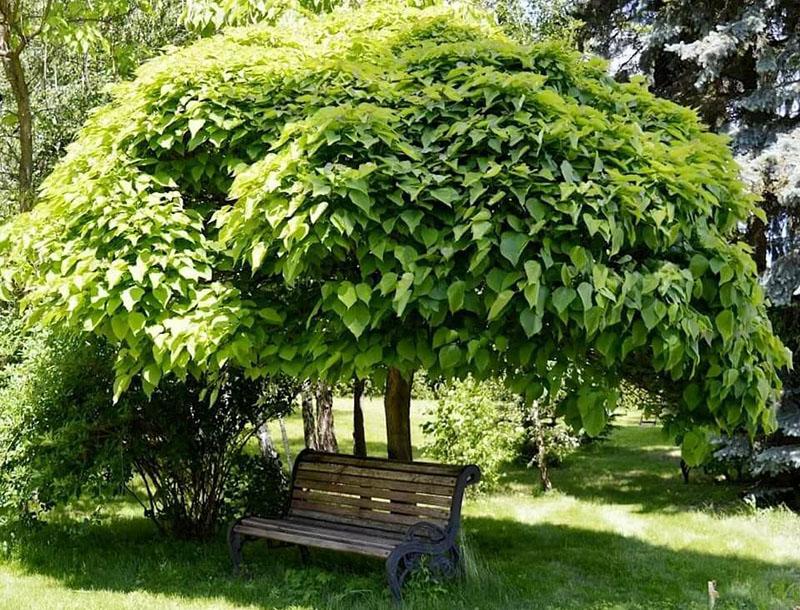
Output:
x,y
309,421
397,406
359,438
757,237
541,448
15,75
325,431
286,449
265,443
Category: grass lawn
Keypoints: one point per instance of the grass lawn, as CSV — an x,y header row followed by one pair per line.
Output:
x,y
621,531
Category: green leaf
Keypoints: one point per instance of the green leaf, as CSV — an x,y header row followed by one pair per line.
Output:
x,y
136,321
195,125
725,324
531,322
500,303
270,315
696,448
357,319
449,356
362,200
455,295
698,265
512,244
692,395
592,408
567,171
152,374
446,195
131,296
585,292
119,326
403,292
563,297
347,294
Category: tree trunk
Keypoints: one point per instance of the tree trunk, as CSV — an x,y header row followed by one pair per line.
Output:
x,y
541,448
265,443
15,74
757,237
397,406
286,449
309,421
359,438
325,432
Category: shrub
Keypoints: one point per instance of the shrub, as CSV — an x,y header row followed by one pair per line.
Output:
x,y
178,452
475,423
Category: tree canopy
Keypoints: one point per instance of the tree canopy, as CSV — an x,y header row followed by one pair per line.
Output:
x,y
405,187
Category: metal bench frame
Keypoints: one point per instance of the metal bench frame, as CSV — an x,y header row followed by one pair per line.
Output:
x,y
406,549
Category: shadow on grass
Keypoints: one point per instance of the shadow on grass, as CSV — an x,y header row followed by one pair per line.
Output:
x,y
609,473
518,566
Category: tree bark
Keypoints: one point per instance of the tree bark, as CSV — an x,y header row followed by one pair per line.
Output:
x,y
541,449
286,449
359,438
397,406
757,237
265,443
325,432
15,75
309,421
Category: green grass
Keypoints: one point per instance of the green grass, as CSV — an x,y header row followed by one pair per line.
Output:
x,y
621,531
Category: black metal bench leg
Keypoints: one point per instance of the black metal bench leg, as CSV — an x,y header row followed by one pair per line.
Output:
x,y
394,577
235,543
305,556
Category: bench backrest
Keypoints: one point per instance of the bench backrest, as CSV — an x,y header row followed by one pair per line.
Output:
x,y
371,493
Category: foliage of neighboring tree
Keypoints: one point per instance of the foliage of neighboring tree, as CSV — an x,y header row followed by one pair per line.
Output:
x,y
57,56
63,437
475,422
737,63
400,188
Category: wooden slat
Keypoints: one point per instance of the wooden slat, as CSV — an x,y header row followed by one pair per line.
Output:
x,y
374,539
323,543
374,492
375,463
349,519
376,473
361,527
307,479
397,518
324,498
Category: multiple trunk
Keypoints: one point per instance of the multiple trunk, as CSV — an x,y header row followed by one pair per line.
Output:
x,y
326,438
397,405
318,430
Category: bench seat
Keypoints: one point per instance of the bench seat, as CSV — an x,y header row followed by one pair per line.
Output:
x,y
391,510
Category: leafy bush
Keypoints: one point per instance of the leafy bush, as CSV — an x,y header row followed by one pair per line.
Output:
x,y
475,422
181,455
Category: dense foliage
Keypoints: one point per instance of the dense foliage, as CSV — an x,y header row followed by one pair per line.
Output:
x,y
416,191
63,438
475,423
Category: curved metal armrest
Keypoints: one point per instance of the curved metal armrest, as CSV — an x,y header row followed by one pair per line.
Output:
x,y
425,531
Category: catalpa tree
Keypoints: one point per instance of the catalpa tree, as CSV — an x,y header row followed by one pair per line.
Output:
x,y
377,191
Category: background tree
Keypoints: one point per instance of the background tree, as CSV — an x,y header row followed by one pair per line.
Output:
x,y
737,63
446,199
57,56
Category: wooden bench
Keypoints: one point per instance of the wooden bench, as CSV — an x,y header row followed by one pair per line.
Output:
x,y
397,511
